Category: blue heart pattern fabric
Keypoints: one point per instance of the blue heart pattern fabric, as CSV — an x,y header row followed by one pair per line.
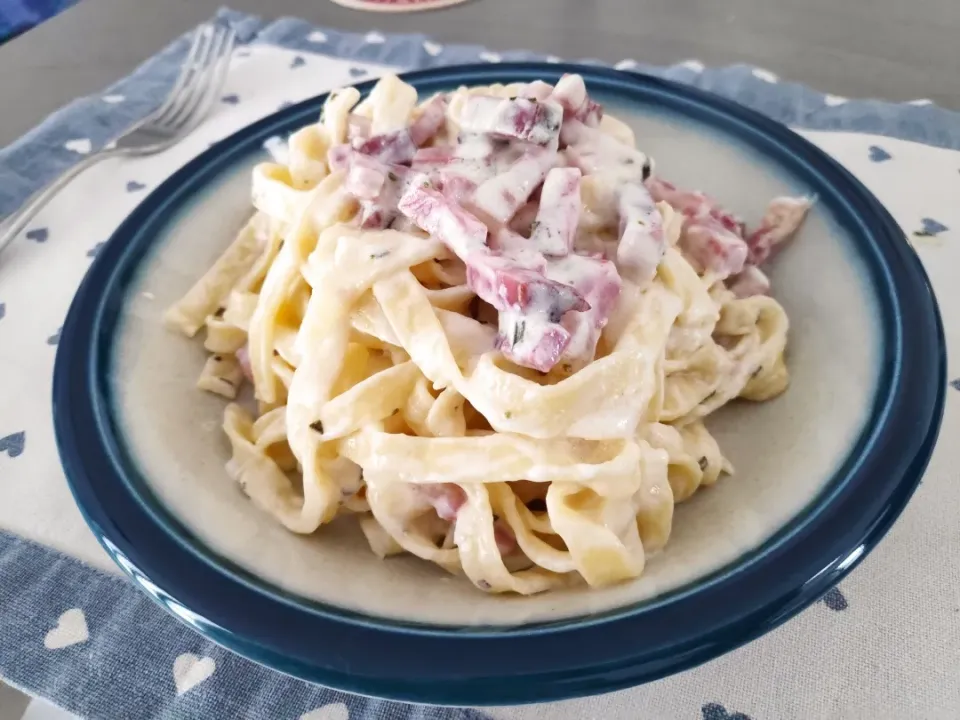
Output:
x,y
17,16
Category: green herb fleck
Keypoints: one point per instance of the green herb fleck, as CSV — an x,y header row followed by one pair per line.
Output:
x,y
518,331
508,414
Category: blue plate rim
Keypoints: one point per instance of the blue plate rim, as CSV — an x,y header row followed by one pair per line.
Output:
x,y
84,445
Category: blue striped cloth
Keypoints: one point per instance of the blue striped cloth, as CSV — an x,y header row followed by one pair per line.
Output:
x,y
16,16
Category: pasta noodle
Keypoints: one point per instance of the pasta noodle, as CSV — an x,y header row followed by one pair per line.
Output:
x,y
482,325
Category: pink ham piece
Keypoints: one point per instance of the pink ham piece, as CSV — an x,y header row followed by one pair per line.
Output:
x,y
400,146
502,195
521,119
642,240
457,171
780,223
693,204
504,537
712,238
456,187
510,277
338,157
432,117
510,287
395,148
523,221
749,282
597,153
365,177
571,94
377,184
446,498
460,231
433,158
556,224
529,343
711,247
598,281
537,90
243,357
358,128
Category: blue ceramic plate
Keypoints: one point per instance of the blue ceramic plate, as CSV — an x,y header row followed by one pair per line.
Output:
x,y
823,471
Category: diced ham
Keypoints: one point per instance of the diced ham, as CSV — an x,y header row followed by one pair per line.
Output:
x,y
590,114
400,146
571,94
693,204
446,498
358,127
711,247
456,187
432,158
459,170
780,223
599,283
338,157
597,153
365,182
504,537
531,341
509,287
556,224
460,231
712,238
502,195
396,147
537,90
243,357
642,240
521,119
431,119
749,282
523,221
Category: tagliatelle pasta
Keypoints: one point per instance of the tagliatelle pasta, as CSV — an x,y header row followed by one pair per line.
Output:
x,y
484,326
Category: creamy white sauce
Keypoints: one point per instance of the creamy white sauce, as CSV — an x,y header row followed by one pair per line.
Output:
x,y
783,450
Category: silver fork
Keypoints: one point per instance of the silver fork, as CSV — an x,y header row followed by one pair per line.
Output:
x,y
194,93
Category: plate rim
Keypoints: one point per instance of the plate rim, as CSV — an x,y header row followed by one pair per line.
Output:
x,y
613,674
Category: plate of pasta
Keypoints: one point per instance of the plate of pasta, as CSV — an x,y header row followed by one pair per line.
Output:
x,y
499,384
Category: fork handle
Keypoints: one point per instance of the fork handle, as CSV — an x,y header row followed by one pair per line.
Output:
x,y
19,219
